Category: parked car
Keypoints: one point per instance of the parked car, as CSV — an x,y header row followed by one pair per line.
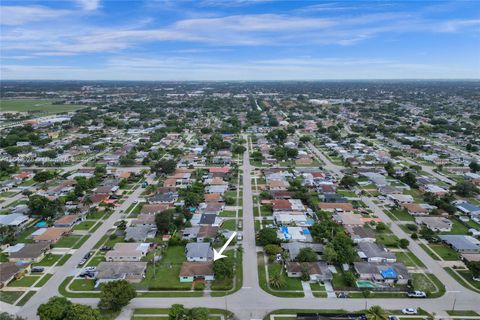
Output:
x,y
106,248
410,311
37,269
87,255
87,275
476,278
342,295
91,269
82,262
393,318
416,294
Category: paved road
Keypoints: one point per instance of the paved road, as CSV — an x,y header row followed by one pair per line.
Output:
x,y
51,287
250,279
328,164
430,171
251,302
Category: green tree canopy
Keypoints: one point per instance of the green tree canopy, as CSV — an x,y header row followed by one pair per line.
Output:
x,y
115,295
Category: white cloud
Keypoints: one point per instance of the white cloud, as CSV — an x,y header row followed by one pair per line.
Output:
x,y
88,5
16,15
167,68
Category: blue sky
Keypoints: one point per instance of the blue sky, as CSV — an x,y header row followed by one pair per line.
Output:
x,y
239,39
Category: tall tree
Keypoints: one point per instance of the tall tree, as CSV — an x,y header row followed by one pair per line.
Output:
x,y
376,313
54,309
115,295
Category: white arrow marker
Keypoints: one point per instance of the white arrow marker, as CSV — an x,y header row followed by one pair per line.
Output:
x,y
219,255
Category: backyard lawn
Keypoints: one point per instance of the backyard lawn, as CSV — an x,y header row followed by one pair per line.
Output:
x,y
164,276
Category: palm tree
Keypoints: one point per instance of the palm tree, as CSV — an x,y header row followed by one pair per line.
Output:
x,y
277,281
376,313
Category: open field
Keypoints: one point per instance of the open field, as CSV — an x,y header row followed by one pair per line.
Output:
x,y
41,107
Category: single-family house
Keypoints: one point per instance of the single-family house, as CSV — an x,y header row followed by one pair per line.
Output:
x,y
382,273
192,271
461,243
112,271
198,252
28,252
127,251
374,252
318,271
438,224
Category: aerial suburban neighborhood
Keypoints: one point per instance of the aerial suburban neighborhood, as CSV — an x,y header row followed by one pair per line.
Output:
x,y
111,190
239,160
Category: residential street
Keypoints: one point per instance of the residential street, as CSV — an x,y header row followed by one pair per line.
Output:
x,y
50,289
259,302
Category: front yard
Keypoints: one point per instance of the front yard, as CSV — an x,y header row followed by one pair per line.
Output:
x,y
164,275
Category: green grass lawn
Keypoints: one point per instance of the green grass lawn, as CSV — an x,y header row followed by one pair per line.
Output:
x,y
7,194
266,210
347,193
67,241
445,252
95,260
229,224
40,106
26,281
263,281
48,260
44,280
96,215
79,243
428,283
25,298
165,274
290,283
427,250
462,313
387,239
229,214
84,225
64,259
82,285
464,277
402,215
457,228
409,259
10,296
3,257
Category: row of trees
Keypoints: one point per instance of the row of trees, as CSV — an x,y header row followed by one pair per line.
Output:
x,y
113,297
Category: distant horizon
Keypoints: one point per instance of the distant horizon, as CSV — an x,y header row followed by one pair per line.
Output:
x,y
233,80
239,40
